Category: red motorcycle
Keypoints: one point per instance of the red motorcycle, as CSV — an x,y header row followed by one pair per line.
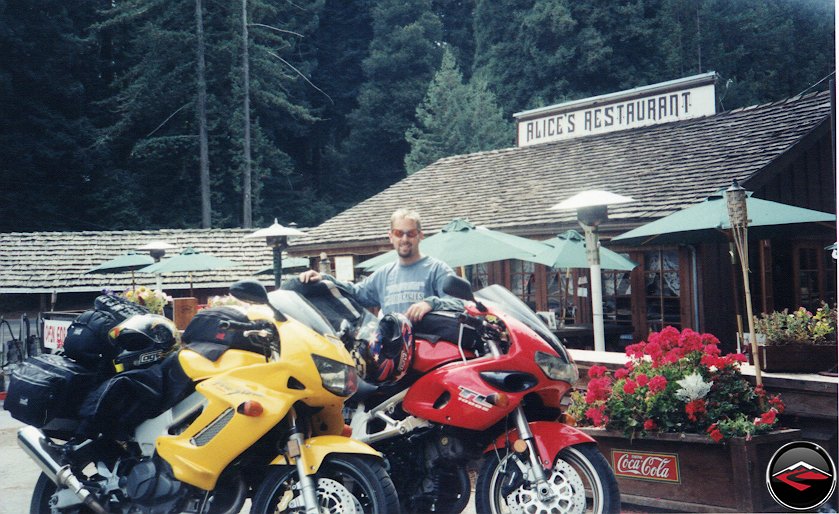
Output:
x,y
482,384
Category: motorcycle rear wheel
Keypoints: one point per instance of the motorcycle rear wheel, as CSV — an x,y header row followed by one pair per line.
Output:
x,y
580,480
365,480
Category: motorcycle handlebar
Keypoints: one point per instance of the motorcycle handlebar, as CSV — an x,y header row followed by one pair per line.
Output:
x,y
469,320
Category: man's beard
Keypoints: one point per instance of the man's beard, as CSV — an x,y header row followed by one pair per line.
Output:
x,y
405,250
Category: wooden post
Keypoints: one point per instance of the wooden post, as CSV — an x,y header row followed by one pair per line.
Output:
x,y
183,309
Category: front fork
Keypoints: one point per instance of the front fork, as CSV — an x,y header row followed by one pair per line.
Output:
x,y
308,485
525,434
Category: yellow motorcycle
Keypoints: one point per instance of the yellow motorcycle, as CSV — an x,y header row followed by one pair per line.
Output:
x,y
263,421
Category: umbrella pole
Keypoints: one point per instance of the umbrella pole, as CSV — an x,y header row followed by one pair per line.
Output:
x,y
190,285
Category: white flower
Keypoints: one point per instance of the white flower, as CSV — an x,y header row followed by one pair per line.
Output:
x,y
692,388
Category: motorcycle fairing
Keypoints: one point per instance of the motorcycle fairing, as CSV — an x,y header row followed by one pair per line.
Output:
x,y
550,437
428,355
317,448
197,367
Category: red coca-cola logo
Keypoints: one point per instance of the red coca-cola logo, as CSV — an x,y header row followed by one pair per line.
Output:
x,y
661,467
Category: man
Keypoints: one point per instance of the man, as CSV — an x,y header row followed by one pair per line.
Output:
x,y
412,285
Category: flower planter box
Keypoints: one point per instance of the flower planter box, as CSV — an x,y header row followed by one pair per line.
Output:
x,y
690,472
796,358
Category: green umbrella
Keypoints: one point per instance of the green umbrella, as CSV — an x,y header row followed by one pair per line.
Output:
x,y
288,264
189,261
461,243
568,250
708,221
130,261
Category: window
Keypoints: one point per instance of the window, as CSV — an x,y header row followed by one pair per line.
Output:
x,y
523,281
562,294
815,276
617,296
662,287
478,276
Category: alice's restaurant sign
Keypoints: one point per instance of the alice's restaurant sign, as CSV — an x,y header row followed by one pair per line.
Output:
x,y
660,467
676,100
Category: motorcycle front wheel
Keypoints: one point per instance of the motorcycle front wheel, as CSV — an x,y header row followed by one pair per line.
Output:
x,y
345,483
580,481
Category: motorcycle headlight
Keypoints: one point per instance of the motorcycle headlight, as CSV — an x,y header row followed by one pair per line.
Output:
x,y
556,368
338,378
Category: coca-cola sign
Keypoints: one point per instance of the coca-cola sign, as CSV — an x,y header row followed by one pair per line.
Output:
x,y
661,467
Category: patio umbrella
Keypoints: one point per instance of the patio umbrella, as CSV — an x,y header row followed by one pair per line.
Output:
x,y
130,261
189,261
568,250
288,263
708,221
461,243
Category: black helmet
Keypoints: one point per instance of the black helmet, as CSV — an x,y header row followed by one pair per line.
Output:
x,y
389,353
142,340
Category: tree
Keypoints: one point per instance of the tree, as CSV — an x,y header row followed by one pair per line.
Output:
x,y
403,57
455,118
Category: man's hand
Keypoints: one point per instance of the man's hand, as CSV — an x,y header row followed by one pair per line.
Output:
x,y
309,275
416,311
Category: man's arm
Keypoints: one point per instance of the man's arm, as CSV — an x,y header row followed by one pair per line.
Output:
x,y
364,291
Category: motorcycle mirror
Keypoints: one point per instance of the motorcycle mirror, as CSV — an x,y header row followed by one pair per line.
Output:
x,y
249,291
344,332
460,288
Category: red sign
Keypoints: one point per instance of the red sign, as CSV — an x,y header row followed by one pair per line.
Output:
x,y
660,467
54,332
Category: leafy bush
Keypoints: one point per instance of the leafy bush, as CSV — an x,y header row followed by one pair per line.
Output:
x,y
676,382
800,326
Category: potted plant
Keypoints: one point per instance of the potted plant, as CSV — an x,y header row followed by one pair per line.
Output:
x,y
153,300
798,341
682,427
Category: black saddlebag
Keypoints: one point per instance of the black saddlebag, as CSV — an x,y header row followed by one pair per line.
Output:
x,y
48,386
87,340
118,405
443,326
204,329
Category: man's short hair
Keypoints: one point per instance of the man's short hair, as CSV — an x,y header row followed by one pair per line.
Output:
x,y
407,214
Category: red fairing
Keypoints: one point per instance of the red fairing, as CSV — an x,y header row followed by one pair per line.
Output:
x,y
550,437
428,356
456,395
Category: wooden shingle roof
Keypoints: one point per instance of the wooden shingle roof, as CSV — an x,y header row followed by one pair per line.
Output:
x,y
42,262
664,168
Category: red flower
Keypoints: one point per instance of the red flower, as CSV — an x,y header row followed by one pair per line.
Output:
x,y
768,417
716,435
596,371
642,379
596,416
621,373
629,387
777,404
658,383
650,425
598,389
694,409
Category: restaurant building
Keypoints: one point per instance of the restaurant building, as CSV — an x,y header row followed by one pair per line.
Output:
x,y
665,146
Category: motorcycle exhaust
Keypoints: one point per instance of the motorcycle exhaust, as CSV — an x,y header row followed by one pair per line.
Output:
x,y
34,443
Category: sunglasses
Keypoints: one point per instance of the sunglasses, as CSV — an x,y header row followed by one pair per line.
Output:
x,y
399,233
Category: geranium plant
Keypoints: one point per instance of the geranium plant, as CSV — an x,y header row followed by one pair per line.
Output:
x,y
676,382
153,300
798,327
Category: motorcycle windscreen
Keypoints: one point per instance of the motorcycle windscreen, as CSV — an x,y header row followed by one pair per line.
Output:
x,y
295,306
512,304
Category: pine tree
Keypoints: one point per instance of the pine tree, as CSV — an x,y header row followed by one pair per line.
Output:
x,y
403,57
455,118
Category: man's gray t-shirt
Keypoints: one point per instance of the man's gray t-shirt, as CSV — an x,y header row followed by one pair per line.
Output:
x,y
395,287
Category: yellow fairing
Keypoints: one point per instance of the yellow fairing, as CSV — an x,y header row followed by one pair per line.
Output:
x,y
220,434
317,448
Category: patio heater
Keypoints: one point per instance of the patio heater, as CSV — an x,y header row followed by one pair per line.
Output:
x,y
276,236
592,211
157,249
738,216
